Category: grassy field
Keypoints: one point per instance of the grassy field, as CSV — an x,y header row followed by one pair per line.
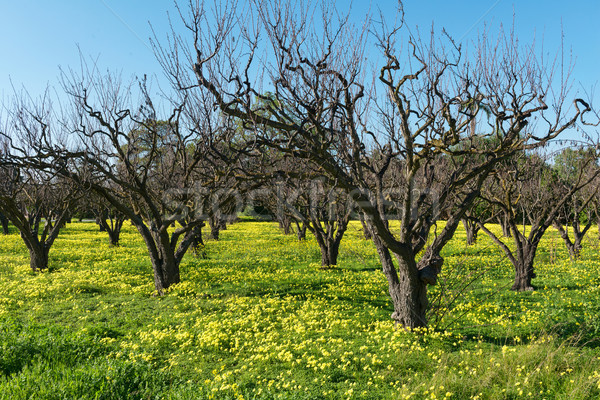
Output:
x,y
258,319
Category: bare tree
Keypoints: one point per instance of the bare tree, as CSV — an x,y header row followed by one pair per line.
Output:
x,y
110,220
319,206
328,105
141,165
471,228
39,209
531,196
36,202
576,217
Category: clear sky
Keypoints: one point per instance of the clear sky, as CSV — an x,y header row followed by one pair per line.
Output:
x,y
39,36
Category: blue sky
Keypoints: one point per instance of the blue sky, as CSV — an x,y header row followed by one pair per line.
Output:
x,y
39,36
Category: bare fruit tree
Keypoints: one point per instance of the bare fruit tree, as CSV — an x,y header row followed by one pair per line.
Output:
x,y
139,159
576,217
109,219
38,203
320,206
531,195
421,107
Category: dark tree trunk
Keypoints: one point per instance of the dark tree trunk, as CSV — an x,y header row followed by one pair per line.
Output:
x,y
573,246
215,226
329,253
301,231
198,243
4,223
38,249
365,227
472,229
214,231
166,251
285,224
502,220
524,272
523,256
113,236
38,256
112,226
38,239
329,240
165,264
166,273
408,292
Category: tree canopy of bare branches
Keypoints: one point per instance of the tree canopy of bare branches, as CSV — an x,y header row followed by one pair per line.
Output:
x,y
340,93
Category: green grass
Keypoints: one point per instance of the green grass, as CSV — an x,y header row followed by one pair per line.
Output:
x,y
258,319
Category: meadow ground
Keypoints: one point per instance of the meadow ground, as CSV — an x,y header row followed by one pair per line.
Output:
x,y
258,319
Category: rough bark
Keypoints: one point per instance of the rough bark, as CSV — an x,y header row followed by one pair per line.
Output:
x,y
407,291
4,223
214,221
472,229
365,227
524,271
329,253
301,231
112,226
502,220
574,246
215,229
329,239
38,255
285,224
197,242
164,262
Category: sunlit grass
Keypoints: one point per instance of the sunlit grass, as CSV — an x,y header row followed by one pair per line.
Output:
x,y
258,319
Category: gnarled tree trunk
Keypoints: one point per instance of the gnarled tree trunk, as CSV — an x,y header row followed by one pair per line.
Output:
x,y
38,255
38,241
524,271
216,225
165,264
329,239
112,226
523,257
166,250
329,252
502,220
285,224
573,246
407,291
198,243
4,223
472,229
365,227
301,231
